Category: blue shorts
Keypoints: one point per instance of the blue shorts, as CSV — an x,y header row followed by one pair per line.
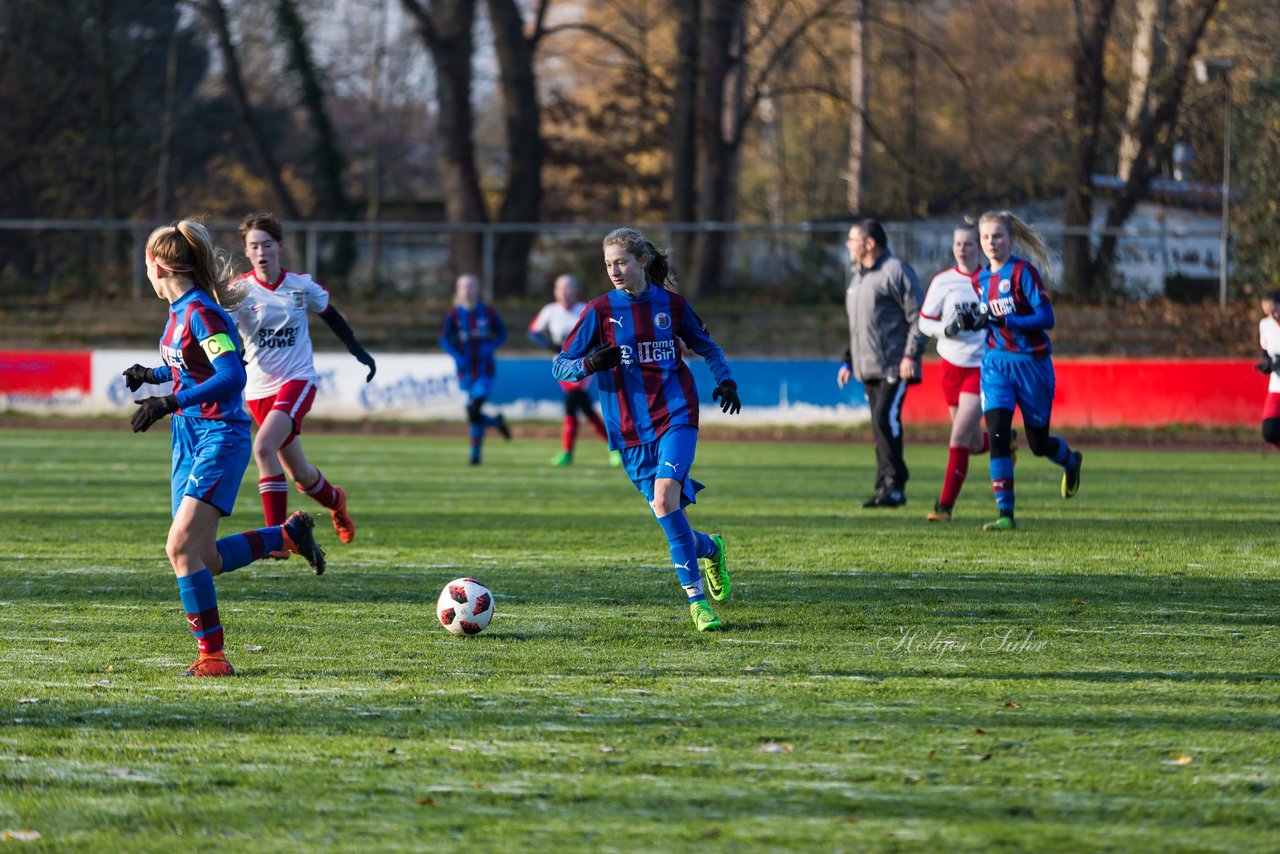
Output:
x,y
1010,380
669,455
475,388
209,460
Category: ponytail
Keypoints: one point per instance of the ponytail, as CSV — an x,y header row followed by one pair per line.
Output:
x,y
186,249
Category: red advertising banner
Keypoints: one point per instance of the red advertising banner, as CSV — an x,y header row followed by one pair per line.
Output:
x,y
42,373
1130,393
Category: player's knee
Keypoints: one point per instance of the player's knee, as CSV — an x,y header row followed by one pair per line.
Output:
x,y
1271,431
474,411
1040,442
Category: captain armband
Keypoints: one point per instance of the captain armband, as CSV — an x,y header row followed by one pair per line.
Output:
x,y
217,345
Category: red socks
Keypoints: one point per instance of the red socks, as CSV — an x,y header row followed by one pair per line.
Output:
x,y
275,499
957,471
321,491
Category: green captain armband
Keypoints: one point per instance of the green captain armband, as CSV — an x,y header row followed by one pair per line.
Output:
x,y
216,345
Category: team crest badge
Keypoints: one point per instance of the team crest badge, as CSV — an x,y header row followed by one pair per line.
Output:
x,y
1005,285
298,299
662,320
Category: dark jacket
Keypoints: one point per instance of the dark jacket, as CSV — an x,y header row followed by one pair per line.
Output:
x,y
883,303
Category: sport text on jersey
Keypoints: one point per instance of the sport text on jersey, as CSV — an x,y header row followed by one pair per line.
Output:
x,y
285,336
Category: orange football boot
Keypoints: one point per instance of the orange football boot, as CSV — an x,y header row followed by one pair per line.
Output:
x,y
342,523
211,664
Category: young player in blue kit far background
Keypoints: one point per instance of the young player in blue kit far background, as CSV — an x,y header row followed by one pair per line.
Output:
x,y
1016,369
202,355
472,333
633,340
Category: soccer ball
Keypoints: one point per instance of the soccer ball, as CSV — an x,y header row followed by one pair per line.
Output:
x,y
465,606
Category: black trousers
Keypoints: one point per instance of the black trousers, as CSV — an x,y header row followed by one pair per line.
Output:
x,y
885,399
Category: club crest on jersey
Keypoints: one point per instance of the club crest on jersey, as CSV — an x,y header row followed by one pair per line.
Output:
x,y
299,299
1005,285
662,320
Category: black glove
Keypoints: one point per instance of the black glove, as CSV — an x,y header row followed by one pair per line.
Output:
x,y
603,359
727,394
1266,364
363,357
970,316
151,410
986,318
952,329
137,375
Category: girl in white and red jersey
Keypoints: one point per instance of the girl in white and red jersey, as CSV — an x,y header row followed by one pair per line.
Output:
x,y
282,376
549,329
951,294
1269,364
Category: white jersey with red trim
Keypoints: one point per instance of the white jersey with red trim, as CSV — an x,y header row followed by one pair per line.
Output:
x,y
556,322
949,289
273,323
1269,338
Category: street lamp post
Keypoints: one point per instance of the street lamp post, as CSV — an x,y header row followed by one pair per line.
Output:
x,y
1206,70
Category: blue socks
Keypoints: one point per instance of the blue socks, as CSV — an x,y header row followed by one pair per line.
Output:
x,y
1002,482
239,550
200,603
683,542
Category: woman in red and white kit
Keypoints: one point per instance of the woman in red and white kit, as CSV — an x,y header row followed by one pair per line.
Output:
x,y
281,387
549,329
961,353
1269,365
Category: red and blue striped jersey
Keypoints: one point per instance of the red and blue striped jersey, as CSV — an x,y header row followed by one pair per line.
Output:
x,y
653,389
203,357
1016,293
471,336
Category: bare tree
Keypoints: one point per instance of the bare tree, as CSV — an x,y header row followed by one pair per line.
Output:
x,y
684,148
1146,61
446,30
255,136
1092,20
522,202
858,98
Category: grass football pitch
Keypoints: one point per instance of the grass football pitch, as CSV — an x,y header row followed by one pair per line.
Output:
x,y
1105,678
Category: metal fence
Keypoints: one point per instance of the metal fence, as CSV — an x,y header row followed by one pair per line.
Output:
x,y
784,262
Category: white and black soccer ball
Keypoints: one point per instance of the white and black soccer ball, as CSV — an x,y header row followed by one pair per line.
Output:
x,y
465,606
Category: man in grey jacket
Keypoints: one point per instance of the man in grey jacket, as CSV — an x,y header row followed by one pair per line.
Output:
x,y
883,302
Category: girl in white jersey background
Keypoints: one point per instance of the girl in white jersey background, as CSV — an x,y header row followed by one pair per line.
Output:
x,y
1269,364
951,294
281,386
549,328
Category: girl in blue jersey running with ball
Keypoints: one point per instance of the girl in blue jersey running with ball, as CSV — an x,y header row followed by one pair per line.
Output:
x,y
202,356
1016,369
633,339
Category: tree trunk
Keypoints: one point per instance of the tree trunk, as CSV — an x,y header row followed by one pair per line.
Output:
x,y
447,32
324,152
684,149
858,113
720,107
1154,136
255,136
1088,56
1148,53
525,148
